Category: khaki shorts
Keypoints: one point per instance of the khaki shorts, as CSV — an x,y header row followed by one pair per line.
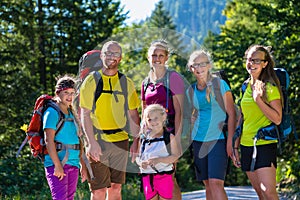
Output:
x,y
112,167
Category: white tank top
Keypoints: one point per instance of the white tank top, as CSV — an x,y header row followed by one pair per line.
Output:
x,y
154,150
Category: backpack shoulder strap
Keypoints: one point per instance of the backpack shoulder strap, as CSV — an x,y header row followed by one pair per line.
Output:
x,y
167,140
190,93
146,83
124,87
216,82
149,141
99,88
76,122
243,89
61,115
123,83
245,85
167,86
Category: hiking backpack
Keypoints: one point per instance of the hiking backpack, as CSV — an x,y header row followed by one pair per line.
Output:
x,y
144,141
90,64
165,138
286,127
217,76
35,132
187,107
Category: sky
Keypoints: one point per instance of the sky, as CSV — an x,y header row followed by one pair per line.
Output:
x,y
138,9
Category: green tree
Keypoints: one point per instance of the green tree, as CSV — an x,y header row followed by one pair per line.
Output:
x,y
55,34
39,40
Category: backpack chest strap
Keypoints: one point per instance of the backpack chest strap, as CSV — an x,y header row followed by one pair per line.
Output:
x,y
67,147
61,146
149,141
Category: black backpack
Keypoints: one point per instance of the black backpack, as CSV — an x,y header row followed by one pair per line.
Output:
x,y
165,138
286,127
91,63
217,77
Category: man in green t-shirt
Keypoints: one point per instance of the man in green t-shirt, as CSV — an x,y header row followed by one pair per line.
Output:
x,y
105,126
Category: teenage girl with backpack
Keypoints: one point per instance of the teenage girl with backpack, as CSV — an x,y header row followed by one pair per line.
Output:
x,y
261,105
156,156
62,167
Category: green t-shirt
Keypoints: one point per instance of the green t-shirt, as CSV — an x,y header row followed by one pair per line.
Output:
x,y
109,113
254,119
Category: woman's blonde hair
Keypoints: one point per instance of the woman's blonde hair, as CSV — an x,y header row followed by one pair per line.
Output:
x,y
159,44
203,53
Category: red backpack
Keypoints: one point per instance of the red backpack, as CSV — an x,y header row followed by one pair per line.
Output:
x,y
88,63
35,132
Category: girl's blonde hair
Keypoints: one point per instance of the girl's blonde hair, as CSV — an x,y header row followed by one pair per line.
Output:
x,y
152,108
203,53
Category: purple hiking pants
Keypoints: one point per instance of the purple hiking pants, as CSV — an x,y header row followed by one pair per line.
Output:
x,y
66,188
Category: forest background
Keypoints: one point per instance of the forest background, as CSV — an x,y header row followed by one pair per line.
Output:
x,y
43,39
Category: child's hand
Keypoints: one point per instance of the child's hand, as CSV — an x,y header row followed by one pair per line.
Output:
x,y
152,161
138,161
59,172
144,164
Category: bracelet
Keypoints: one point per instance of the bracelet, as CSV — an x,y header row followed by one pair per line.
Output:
x,y
235,148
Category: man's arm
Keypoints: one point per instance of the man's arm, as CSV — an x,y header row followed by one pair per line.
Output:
x,y
134,121
93,149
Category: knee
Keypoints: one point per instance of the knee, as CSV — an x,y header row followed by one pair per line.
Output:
x,y
99,192
269,193
216,184
115,187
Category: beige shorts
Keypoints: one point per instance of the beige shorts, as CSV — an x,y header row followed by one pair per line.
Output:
x,y
112,167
